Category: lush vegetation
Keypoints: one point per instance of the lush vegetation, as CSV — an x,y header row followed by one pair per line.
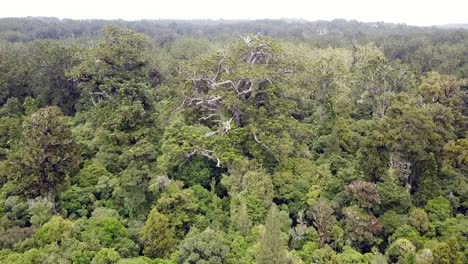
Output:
x,y
207,142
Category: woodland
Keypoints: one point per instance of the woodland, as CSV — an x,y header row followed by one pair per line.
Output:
x,y
206,142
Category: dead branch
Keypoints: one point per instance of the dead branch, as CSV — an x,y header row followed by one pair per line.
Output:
x,y
215,99
92,100
180,106
259,142
206,153
245,91
223,83
258,56
100,96
227,126
208,117
209,134
218,69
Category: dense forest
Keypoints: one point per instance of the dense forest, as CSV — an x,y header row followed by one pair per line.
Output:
x,y
268,141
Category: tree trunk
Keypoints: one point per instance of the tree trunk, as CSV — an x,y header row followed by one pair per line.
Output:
x,y
54,200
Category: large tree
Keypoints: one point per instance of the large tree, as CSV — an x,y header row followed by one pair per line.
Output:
x,y
272,247
48,155
324,220
158,236
207,247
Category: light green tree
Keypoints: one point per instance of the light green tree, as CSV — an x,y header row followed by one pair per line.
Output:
x,y
158,235
272,247
207,247
106,256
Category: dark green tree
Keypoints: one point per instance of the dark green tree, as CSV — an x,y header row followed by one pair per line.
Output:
x,y
47,156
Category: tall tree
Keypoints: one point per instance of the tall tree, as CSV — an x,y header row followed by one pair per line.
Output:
x,y
324,220
272,249
159,237
47,156
179,205
362,228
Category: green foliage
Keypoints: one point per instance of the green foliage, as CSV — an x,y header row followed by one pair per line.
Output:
x,y
50,62
179,205
104,231
254,186
205,247
15,212
284,147
325,255
419,220
106,256
240,219
10,131
90,174
425,256
40,210
158,236
47,156
393,197
242,249
196,171
189,48
77,202
362,228
349,255
211,208
454,228
439,209
293,181
443,253
410,233
398,250
391,220
272,247
56,230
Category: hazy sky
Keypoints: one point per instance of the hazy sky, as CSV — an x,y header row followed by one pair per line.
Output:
x,y
413,12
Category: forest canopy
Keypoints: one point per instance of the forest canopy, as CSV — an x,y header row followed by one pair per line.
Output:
x,y
268,141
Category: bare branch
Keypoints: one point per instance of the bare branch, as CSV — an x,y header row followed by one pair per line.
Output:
x,y
206,153
180,106
208,117
209,134
103,94
218,69
259,142
223,83
245,91
99,95
227,126
215,99
92,100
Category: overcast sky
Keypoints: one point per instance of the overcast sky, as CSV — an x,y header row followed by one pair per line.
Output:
x,y
412,12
